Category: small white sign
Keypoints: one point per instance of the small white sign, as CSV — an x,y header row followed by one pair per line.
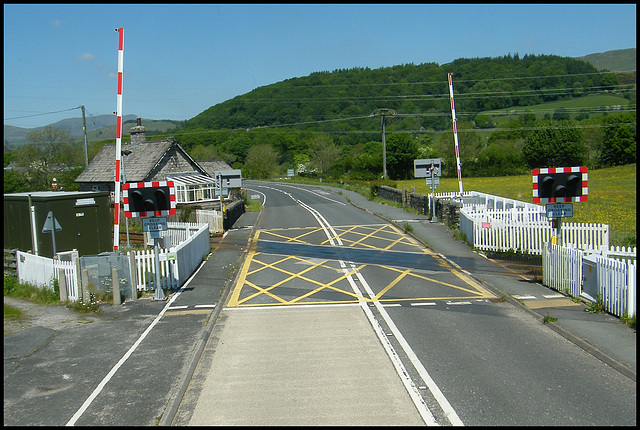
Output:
x,y
87,201
154,224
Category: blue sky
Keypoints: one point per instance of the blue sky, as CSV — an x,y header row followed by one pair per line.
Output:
x,y
181,59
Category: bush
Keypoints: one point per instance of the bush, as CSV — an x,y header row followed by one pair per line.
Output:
x,y
45,296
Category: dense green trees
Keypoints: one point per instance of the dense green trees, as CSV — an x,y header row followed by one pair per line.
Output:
x,y
321,124
402,149
619,139
555,144
49,153
325,119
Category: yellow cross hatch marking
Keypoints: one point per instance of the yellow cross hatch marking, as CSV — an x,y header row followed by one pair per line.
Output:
x,y
389,235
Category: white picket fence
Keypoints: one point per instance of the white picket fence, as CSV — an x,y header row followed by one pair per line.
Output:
x,y
146,269
41,271
616,280
177,262
214,218
525,230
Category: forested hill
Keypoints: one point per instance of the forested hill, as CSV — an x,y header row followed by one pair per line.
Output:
x,y
417,94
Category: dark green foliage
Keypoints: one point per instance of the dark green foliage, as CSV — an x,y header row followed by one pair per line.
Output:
x,y
619,140
557,144
402,149
290,115
408,89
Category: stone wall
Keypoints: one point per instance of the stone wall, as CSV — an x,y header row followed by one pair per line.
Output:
x,y
447,211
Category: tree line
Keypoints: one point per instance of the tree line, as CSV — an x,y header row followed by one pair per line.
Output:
x,y
321,125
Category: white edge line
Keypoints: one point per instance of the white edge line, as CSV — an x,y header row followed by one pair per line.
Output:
x,y
411,388
205,306
424,304
124,358
448,410
177,307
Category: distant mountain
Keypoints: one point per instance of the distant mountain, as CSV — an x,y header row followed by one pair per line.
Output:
x,y
98,128
619,60
102,127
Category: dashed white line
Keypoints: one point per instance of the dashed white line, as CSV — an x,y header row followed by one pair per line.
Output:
x,y
525,297
424,304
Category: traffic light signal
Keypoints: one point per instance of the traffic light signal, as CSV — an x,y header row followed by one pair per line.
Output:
x,y
560,185
146,199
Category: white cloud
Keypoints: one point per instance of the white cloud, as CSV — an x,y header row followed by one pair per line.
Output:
x,y
85,57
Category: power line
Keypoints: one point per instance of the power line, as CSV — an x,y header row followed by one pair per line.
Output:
x,y
439,82
40,114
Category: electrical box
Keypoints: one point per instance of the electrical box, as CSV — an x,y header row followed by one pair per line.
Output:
x,y
84,217
589,277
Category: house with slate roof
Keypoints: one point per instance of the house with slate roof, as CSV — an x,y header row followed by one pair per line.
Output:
x,y
146,161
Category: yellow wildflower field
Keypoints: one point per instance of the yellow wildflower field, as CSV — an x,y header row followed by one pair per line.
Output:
x,y
612,197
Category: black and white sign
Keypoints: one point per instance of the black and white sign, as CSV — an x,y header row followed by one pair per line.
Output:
x,y
559,210
154,224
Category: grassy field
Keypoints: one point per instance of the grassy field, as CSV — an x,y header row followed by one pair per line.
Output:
x,y
578,103
612,197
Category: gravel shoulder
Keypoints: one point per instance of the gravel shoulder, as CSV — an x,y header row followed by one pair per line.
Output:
x,y
35,315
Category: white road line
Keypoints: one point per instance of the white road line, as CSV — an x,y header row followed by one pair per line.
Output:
x,y
205,306
411,388
391,305
124,358
448,410
458,303
525,297
177,307
553,296
424,304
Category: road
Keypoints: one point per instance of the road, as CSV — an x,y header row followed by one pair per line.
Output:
x,y
335,316
474,359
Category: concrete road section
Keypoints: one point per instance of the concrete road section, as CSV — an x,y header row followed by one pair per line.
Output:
x,y
311,365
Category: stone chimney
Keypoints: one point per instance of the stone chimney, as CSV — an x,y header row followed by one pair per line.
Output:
x,y
138,134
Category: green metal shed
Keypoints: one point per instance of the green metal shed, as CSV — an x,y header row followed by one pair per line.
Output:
x,y
84,218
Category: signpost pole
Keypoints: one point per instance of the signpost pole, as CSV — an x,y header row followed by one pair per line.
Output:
x,y
159,294
558,230
433,193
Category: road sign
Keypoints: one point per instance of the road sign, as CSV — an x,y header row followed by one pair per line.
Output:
x,y
427,167
433,181
154,224
559,210
50,224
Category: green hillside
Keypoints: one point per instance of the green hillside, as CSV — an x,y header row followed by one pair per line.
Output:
x,y
619,60
419,94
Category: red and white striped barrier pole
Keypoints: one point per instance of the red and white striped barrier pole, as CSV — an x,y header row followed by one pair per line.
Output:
x,y
455,132
116,206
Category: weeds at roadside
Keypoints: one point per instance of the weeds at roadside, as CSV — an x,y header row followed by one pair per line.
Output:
x,y
596,307
630,321
408,228
43,296
12,313
547,319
